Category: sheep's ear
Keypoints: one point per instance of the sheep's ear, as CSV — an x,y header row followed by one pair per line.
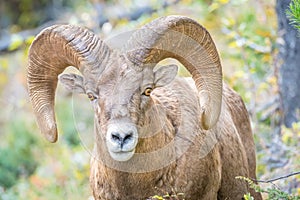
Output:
x,y
165,75
72,82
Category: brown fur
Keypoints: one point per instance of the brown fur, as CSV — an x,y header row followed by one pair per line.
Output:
x,y
211,176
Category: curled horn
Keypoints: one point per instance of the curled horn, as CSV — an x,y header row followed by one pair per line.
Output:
x,y
187,41
54,49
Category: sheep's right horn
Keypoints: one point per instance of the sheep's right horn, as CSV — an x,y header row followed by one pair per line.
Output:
x,y
54,49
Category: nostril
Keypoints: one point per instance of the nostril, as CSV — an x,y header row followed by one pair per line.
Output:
x,y
116,137
121,138
127,137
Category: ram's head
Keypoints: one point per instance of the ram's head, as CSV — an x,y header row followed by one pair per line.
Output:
x,y
120,96
120,83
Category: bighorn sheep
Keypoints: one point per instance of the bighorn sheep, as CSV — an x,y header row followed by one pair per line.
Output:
x,y
153,132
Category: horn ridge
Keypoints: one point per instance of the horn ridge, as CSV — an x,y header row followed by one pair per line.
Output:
x,y
184,39
53,50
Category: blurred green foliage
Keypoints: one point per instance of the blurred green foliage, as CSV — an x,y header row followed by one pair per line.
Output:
x,y
70,135
16,157
245,34
25,14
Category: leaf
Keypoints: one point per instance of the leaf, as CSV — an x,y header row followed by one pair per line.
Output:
x,y
228,21
248,197
214,6
233,44
157,197
223,1
30,39
272,80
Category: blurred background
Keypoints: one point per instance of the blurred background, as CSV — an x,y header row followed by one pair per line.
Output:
x,y
251,36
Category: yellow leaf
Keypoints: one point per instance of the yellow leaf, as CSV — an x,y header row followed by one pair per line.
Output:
x,y
252,70
223,1
3,64
214,6
229,21
157,197
263,33
270,12
272,80
239,74
3,79
123,21
29,40
232,44
263,86
266,57
296,126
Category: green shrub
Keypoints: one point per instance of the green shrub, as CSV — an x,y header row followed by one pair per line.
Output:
x,y
273,192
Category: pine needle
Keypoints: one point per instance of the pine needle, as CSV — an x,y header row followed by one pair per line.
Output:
x,y
293,13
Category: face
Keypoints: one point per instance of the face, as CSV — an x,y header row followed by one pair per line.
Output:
x,y
120,98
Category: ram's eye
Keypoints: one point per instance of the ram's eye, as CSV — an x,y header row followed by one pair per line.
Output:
x,y
147,91
91,96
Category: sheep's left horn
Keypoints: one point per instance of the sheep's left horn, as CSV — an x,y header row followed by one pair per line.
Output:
x,y
187,41
54,49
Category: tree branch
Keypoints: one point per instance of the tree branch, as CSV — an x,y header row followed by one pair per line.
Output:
x,y
276,179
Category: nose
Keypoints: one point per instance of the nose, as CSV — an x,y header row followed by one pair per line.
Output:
x,y
121,138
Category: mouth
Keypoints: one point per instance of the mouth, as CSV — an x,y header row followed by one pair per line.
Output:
x,y
122,156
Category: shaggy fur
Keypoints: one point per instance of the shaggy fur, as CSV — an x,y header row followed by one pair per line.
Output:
x,y
197,176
